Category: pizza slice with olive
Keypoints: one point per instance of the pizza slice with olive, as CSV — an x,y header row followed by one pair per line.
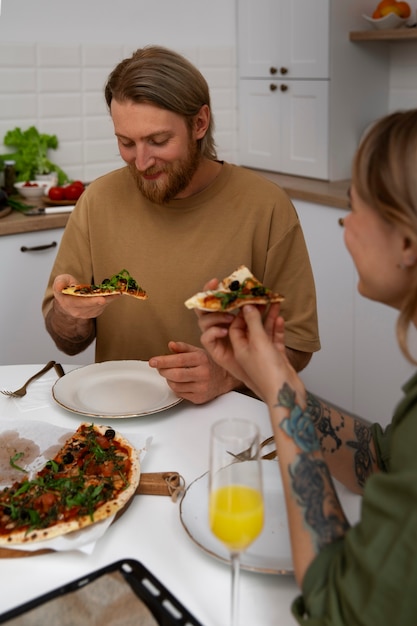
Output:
x,y
94,475
239,288
121,283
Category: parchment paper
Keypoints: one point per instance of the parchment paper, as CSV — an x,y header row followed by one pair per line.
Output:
x,y
49,438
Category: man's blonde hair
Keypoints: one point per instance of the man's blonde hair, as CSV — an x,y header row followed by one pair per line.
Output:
x,y
165,79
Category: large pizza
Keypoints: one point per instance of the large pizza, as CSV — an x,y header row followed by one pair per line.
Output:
x,y
239,288
94,475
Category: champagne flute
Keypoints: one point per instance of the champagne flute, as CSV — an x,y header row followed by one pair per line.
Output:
x,y
236,508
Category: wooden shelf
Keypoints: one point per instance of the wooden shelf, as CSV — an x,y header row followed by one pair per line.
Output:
x,y
395,34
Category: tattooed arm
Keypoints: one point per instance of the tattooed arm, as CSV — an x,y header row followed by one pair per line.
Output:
x,y
301,426
345,441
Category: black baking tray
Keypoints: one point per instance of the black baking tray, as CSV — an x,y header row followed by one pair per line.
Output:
x,y
125,586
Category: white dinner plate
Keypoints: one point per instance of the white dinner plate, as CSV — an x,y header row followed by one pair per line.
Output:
x,y
114,389
271,552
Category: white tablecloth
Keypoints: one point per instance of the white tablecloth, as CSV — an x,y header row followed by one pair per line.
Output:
x,y
151,531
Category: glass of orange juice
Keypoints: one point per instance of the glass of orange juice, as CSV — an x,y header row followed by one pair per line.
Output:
x,y
236,507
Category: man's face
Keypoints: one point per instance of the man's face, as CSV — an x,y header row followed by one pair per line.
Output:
x,y
158,147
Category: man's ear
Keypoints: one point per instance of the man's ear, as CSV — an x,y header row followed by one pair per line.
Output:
x,y
201,122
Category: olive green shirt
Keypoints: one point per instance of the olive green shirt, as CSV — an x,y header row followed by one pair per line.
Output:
x,y
369,578
173,249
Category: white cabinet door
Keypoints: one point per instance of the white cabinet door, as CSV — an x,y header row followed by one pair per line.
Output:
x,y
304,131
281,37
284,126
330,372
380,367
26,261
259,129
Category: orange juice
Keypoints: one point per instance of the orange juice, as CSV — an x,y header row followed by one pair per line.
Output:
x,y
236,515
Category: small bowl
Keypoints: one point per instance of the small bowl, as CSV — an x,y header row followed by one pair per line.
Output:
x,y
41,189
392,20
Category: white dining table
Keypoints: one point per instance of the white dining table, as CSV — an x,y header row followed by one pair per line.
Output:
x,y
150,530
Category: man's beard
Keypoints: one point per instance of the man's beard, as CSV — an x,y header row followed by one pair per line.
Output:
x,y
177,176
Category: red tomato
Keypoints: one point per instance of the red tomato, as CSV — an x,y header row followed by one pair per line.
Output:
x,y
73,192
56,193
29,184
78,183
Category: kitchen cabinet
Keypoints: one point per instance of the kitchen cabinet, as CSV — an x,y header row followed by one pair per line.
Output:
x,y
306,93
360,366
296,141
26,260
283,38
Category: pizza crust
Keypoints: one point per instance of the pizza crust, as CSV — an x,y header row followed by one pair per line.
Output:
x,y
104,511
212,300
77,290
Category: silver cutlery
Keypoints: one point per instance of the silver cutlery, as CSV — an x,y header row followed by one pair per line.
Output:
x,y
246,455
19,393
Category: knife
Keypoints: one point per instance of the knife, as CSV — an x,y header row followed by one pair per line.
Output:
x,y
49,210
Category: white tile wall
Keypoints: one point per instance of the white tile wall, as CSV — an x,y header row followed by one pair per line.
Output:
x,y
59,89
403,76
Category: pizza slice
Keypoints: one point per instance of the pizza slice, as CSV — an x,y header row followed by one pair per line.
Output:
x,y
94,475
121,283
236,290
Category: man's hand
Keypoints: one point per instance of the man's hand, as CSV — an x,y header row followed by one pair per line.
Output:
x,y
70,320
76,307
192,374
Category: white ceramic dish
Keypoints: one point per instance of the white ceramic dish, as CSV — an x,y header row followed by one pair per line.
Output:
x,y
116,389
38,189
392,20
271,552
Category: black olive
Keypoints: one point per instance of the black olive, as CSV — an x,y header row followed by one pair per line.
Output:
x,y
105,281
68,458
258,290
110,433
7,510
234,285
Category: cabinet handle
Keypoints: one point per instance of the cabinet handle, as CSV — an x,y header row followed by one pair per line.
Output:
x,y
273,87
284,87
273,70
283,70
36,248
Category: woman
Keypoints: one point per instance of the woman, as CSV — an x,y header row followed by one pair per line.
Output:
x,y
365,574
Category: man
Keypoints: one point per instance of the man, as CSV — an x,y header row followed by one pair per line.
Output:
x,y
173,217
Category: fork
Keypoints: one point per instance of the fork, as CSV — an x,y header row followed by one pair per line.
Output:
x,y
246,455
19,393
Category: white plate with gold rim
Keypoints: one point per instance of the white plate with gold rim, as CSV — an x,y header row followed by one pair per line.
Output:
x,y
114,389
270,553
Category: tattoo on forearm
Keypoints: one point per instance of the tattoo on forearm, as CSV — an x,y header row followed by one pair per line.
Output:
x,y
298,425
320,416
310,477
312,484
363,455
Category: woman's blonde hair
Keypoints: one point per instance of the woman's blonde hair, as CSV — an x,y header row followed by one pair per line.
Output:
x,y
385,177
166,79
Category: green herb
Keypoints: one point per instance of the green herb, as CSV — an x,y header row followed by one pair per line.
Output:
x,y
15,458
31,153
114,282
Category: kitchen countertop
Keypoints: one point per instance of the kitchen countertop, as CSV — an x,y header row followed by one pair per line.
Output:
x,y
332,194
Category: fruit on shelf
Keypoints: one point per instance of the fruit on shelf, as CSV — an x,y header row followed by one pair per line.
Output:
x,y
385,7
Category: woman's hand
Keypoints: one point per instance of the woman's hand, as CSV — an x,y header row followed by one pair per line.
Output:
x,y
260,353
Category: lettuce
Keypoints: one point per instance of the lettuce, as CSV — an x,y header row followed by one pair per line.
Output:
x,y
31,153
